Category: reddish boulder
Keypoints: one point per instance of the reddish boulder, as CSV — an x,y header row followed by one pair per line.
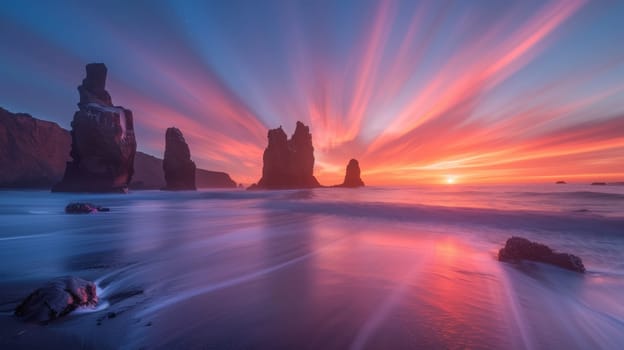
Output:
x,y
287,163
178,167
57,298
103,142
518,248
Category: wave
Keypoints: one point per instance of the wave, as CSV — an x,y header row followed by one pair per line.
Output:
x,y
516,219
576,195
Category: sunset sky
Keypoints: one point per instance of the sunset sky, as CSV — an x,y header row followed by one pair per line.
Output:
x,y
418,92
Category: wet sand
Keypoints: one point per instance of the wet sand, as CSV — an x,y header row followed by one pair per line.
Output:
x,y
190,271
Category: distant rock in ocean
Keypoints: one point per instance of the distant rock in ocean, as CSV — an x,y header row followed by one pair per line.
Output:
x,y
517,248
33,152
178,167
560,182
288,164
103,142
56,299
599,183
352,175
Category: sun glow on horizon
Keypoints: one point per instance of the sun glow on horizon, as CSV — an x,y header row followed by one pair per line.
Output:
x,y
414,90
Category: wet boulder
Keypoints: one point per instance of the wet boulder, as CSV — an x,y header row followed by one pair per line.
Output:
x,y
83,208
518,248
56,299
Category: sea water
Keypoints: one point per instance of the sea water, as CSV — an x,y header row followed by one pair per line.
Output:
x,y
369,268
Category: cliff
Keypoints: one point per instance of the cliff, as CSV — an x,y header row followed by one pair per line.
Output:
x,y
149,175
33,152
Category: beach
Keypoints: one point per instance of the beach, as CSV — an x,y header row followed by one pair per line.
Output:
x,y
372,268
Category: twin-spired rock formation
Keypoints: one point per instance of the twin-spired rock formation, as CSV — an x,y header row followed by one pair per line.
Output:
x,y
352,176
178,167
103,142
518,248
33,152
288,163
57,298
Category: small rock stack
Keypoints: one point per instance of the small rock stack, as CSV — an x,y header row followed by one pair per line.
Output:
x,y
178,166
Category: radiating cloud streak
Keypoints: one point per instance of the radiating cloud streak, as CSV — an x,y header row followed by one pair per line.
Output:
x,y
417,91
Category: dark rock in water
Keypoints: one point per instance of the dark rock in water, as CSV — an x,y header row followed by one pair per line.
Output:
x,y
103,142
57,298
599,183
33,152
178,167
560,182
287,163
83,208
352,176
518,248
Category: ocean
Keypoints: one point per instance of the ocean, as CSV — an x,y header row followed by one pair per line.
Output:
x,y
369,268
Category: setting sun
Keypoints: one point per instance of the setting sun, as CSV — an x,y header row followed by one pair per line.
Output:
x,y
450,179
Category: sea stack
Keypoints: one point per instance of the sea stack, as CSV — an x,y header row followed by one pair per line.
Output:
x,y
288,164
178,166
352,176
103,143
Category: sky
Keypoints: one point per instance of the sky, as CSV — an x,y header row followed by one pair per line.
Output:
x,y
418,91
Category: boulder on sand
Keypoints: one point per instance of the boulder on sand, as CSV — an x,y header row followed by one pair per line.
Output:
x,y
83,208
518,248
57,298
